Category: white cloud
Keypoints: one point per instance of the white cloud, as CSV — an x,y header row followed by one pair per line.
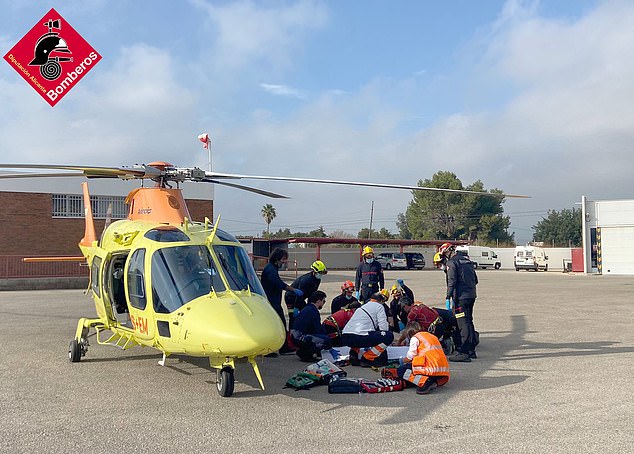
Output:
x,y
248,33
283,90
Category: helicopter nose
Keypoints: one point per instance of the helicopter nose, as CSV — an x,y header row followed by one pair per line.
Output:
x,y
233,325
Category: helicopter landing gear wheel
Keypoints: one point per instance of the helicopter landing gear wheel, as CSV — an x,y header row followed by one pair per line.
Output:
x,y
225,381
74,351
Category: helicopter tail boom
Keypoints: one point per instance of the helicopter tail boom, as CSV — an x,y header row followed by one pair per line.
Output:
x,y
89,231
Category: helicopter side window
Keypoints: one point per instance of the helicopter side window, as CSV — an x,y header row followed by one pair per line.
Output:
x,y
225,236
181,274
237,267
94,275
166,234
136,286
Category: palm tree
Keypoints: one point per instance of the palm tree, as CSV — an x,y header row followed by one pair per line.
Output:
x,y
268,213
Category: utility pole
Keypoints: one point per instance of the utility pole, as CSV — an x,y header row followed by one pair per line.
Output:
x,y
371,216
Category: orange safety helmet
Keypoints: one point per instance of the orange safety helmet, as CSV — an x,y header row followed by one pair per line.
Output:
x,y
347,285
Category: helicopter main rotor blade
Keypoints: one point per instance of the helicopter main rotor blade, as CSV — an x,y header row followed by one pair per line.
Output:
x,y
247,188
40,175
216,175
140,171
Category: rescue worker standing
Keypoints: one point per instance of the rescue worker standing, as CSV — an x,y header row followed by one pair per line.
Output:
x,y
273,286
368,329
308,283
369,278
461,293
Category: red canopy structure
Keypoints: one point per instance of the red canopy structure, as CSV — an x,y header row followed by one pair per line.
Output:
x,y
363,242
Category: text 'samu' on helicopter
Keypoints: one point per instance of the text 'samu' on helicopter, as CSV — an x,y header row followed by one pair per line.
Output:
x,y
159,279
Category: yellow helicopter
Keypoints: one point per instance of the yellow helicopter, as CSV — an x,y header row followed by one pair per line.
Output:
x,y
161,280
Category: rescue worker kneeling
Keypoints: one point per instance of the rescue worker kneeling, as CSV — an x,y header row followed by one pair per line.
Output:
x,y
307,333
335,323
368,329
425,364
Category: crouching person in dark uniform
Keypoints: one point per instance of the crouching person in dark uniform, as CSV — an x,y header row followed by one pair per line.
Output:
x,y
440,322
368,329
307,333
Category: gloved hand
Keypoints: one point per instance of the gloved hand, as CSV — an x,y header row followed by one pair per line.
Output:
x,y
400,282
295,312
448,304
298,292
357,295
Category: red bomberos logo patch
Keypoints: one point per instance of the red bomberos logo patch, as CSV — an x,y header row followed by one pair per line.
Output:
x,y
52,57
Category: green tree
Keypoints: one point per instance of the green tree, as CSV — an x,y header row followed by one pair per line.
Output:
x,y
342,234
443,215
268,213
382,234
285,233
561,228
319,232
401,224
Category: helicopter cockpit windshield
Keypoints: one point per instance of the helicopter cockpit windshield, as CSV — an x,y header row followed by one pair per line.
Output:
x,y
181,274
237,268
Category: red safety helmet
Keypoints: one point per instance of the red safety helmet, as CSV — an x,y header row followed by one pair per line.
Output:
x,y
444,247
347,285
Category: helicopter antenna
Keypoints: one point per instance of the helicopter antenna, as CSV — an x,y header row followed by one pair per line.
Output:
x,y
211,236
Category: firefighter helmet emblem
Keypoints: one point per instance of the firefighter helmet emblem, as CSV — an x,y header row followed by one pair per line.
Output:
x,y
48,44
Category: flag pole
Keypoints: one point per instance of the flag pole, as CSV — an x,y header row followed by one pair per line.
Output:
x,y
206,141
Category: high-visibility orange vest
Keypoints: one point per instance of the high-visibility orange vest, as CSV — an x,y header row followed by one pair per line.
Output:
x,y
430,359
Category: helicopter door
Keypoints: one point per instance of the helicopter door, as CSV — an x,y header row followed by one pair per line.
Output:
x,y
102,303
136,290
114,288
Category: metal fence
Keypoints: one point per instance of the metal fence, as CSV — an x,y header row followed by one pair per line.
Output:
x,y
13,266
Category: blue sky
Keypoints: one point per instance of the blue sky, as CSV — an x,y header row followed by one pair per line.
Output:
x,y
530,97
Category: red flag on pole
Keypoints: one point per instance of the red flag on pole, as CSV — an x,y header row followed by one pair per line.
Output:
x,y
204,138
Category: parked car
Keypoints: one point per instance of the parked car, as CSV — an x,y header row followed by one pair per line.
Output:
x,y
389,260
415,260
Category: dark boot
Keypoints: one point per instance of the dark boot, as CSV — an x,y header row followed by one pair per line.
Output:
x,y
460,358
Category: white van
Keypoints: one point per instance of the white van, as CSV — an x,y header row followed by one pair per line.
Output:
x,y
530,258
481,256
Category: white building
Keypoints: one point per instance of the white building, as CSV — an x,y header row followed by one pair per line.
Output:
x,y
608,236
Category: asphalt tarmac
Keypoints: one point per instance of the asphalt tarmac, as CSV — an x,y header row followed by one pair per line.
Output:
x,y
555,373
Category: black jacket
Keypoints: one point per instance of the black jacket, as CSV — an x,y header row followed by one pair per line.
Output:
x,y
308,284
369,273
339,302
461,277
